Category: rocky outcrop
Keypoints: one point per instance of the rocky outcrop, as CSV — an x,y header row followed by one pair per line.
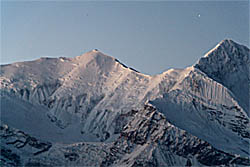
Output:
x,y
149,132
15,143
228,63
146,138
195,116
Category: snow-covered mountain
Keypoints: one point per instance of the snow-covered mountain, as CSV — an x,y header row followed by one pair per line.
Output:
x,y
194,116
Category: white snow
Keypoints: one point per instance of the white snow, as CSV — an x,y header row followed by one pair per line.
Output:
x,y
88,92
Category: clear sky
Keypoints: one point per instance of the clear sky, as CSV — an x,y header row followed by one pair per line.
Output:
x,y
148,36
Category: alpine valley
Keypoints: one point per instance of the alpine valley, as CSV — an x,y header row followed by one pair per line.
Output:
x,y
92,110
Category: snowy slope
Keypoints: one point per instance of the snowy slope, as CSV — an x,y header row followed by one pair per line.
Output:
x,y
92,97
206,109
203,100
147,139
89,87
21,149
228,63
33,120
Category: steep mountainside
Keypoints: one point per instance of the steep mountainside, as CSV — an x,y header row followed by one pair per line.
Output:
x,y
228,63
194,116
147,139
82,90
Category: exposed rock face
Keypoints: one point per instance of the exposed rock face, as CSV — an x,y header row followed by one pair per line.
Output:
x,y
230,66
19,139
21,149
15,143
149,134
147,139
93,110
208,110
83,88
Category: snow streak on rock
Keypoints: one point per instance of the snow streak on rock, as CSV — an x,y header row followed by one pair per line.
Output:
x,y
65,108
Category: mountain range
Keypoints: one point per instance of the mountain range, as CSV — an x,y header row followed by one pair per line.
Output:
x,y
92,110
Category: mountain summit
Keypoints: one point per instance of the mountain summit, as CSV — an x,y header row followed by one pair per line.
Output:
x,y
93,110
228,63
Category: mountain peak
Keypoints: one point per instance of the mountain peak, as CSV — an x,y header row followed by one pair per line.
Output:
x,y
226,43
103,59
94,54
228,63
100,60
95,50
227,51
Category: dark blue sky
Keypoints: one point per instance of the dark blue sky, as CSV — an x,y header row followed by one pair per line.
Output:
x,y
148,36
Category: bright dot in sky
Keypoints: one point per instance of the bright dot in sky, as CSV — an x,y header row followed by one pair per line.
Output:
x,y
199,15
